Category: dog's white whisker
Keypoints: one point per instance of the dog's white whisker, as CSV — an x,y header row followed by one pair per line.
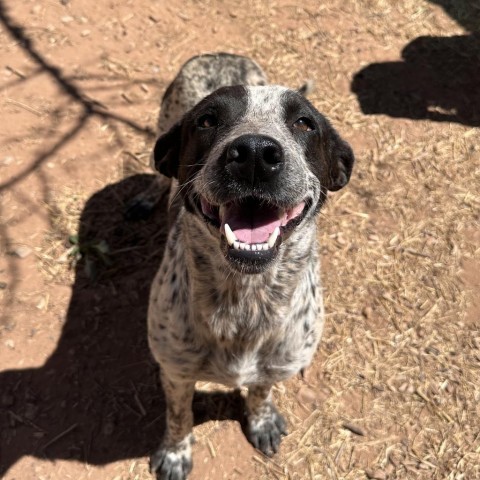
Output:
x,y
183,187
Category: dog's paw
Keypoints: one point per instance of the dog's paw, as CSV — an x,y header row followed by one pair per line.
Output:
x,y
265,432
172,463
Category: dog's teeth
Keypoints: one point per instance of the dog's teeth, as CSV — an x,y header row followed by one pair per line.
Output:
x,y
254,247
231,238
238,245
273,237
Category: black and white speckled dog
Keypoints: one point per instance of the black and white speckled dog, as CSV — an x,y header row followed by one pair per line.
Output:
x,y
237,299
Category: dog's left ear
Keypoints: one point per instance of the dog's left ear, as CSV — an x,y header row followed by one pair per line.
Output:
x,y
166,153
340,159
307,88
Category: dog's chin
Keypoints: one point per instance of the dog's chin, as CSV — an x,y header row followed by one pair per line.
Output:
x,y
249,262
251,229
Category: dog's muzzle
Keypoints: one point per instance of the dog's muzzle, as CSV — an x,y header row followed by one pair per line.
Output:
x,y
253,228
253,225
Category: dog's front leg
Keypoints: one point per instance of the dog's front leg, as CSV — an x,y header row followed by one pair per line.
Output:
x,y
265,426
173,459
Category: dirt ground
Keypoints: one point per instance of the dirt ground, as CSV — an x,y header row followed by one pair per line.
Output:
x,y
394,391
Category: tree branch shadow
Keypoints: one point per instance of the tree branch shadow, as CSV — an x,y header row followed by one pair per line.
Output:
x,y
90,107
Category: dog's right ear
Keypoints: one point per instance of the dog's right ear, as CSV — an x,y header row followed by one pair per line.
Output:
x,y
166,153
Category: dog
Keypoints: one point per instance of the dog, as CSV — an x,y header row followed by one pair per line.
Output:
x,y
237,298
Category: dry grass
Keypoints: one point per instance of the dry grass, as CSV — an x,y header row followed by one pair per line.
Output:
x,y
58,254
397,376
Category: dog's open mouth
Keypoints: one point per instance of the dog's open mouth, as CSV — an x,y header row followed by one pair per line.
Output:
x,y
252,227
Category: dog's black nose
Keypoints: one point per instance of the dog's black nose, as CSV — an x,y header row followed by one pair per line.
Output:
x,y
255,158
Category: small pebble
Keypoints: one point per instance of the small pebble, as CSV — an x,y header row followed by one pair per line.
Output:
x,y
10,344
403,387
42,303
354,429
375,474
3,285
306,395
367,312
22,251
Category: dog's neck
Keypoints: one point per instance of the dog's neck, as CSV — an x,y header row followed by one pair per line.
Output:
x,y
242,300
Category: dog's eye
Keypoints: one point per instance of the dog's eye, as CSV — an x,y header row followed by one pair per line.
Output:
x,y
303,124
207,121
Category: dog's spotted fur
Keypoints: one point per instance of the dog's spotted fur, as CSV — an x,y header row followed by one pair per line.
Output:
x,y
201,76
214,317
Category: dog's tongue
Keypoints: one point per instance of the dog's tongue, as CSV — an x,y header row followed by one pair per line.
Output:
x,y
250,222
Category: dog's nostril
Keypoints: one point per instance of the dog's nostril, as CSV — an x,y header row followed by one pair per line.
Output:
x,y
233,155
272,155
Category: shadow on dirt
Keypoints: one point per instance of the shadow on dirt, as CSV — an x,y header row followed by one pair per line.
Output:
x,y
97,399
437,79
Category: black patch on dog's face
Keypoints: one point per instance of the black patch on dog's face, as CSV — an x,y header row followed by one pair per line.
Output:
x,y
181,151
329,157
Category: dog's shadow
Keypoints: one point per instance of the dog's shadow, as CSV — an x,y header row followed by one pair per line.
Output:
x,y
97,399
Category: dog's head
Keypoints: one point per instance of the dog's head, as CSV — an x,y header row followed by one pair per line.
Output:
x,y
254,164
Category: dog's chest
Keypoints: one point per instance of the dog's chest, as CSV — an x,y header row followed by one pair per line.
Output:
x,y
236,367
252,343
235,341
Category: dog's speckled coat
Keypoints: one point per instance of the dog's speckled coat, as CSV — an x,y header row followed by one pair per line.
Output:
x,y
212,317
